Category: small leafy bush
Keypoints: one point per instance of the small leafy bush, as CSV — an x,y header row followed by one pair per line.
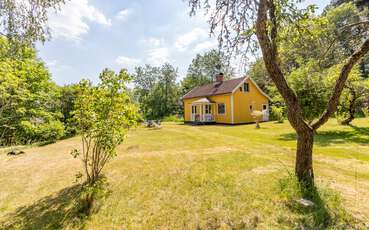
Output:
x,y
173,118
277,114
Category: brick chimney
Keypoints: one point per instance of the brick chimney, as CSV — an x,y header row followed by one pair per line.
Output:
x,y
219,77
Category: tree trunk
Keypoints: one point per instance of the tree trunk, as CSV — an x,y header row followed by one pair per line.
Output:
x,y
304,157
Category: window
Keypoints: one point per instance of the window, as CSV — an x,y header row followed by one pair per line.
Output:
x,y
207,109
194,109
240,89
265,107
221,108
246,87
250,107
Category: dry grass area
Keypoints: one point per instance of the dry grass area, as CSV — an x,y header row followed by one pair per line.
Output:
x,y
195,177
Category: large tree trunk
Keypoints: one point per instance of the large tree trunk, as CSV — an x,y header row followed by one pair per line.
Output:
x,y
304,157
268,43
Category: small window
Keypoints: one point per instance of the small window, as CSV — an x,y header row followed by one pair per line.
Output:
x,y
265,107
221,108
240,89
246,87
207,109
194,109
250,107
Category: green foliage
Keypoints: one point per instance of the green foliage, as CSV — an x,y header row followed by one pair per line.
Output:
x,y
29,100
173,118
68,95
277,114
157,91
26,21
365,112
103,115
311,54
311,89
203,69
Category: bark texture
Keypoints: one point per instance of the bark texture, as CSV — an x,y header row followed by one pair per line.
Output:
x,y
304,157
304,130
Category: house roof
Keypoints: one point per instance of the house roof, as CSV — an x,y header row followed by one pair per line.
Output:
x,y
214,88
202,100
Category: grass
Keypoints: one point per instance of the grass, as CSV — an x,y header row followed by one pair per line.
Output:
x,y
196,177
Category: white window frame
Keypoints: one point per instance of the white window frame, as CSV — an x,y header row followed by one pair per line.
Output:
x,y
248,87
266,105
225,110
207,109
192,109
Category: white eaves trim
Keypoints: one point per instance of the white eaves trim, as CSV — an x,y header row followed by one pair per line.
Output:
x,y
241,83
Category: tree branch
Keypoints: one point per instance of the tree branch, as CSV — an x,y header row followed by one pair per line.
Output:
x,y
365,23
295,114
340,83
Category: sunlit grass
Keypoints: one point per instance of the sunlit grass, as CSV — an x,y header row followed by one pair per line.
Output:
x,y
188,177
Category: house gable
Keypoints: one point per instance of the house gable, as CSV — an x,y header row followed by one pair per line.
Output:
x,y
246,102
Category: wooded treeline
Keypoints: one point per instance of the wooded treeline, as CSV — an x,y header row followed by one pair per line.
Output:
x,y
34,109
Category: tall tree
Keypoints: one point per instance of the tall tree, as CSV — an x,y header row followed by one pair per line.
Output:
x,y
157,91
237,21
203,69
29,100
145,79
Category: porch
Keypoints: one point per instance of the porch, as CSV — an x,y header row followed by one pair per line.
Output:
x,y
202,111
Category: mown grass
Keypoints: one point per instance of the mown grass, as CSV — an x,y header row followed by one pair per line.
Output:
x,y
196,177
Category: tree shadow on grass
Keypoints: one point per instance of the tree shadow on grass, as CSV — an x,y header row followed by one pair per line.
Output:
x,y
326,211
51,212
359,135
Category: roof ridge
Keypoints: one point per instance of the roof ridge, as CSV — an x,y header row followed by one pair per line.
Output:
x,y
215,88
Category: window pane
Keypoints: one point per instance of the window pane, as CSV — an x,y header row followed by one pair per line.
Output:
x,y
246,87
221,108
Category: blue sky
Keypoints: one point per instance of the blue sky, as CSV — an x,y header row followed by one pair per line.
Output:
x,y
89,35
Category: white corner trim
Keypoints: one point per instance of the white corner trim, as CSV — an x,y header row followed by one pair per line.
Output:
x,y
232,109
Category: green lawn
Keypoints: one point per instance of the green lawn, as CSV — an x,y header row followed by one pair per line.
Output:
x,y
195,177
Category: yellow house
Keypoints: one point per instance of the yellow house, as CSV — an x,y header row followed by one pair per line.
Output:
x,y
227,102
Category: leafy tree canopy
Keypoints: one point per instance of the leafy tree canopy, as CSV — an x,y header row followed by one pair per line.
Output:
x,y
203,69
29,105
26,21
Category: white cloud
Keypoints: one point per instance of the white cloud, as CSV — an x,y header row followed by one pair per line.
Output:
x,y
184,41
127,62
205,46
152,42
158,56
71,22
123,15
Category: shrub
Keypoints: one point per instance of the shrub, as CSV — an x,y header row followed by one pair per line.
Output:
x,y
173,118
103,115
365,111
277,114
